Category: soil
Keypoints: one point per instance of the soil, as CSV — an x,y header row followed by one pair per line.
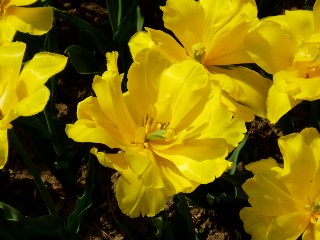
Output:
x,y
103,218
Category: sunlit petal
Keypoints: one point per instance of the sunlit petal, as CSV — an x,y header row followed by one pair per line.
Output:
x,y
278,104
4,148
289,226
300,23
36,21
7,31
186,19
38,70
136,199
270,47
34,103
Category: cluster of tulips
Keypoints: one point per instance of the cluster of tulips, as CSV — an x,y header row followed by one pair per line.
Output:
x,y
187,103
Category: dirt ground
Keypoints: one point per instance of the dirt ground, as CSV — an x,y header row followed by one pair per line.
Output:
x,y
101,221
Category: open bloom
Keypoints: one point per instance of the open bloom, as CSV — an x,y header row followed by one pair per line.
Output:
x,y
13,17
286,201
212,32
172,131
23,93
288,47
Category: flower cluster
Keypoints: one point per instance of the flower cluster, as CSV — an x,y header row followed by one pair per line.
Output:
x,y
22,91
285,202
187,104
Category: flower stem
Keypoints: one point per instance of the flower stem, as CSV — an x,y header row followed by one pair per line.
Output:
x,y
34,172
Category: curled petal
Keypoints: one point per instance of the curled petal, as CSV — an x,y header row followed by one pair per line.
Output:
x,y
37,71
250,88
135,199
33,103
36,21
186,19
270,47
278,104
254,223
198,163
93,126
4,148
289,226
116,161
139,41
7,31
20,2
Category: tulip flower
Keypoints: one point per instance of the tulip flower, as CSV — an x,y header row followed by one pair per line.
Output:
x,y
285,202
22,92
171,131
33,20
288,46
212,32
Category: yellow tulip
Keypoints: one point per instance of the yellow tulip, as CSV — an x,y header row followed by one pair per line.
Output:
x,y
288,47
285,202
172,132
13,17
23,93
212,32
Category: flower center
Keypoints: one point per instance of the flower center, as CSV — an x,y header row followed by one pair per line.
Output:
x,y
152,130
198,51
315,213
307,60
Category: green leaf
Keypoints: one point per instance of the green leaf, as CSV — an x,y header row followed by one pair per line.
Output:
x,y
103,43
235,154
183,227
83,204
13,225
123,18
83,61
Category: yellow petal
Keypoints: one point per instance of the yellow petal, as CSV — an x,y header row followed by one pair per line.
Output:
x,y
8,97
254,223
301,164
36,21
186,84
112,61
168,46
175,181
316,16
263,165
143,82
11,55
109,95
140,41
93,126
289,226
199,163
116,161
186,19
37,71
254,88
33,103
136,199
237,109
225,21
4,148
267,42
311,233
7,31
278,104
20,2
142,163
223,125
300,23
269,196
